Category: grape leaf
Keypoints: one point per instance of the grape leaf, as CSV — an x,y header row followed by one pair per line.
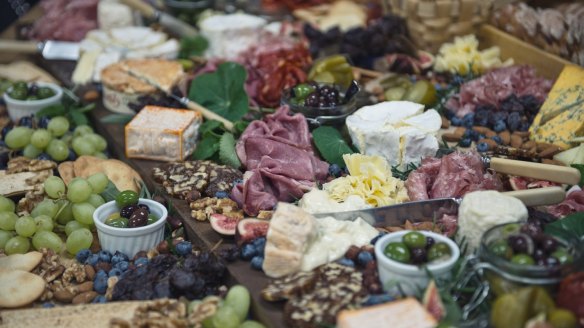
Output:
x,y
227,153
222,91
207,147
331,144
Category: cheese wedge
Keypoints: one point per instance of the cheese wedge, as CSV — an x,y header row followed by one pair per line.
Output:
x,y
163,74
561,117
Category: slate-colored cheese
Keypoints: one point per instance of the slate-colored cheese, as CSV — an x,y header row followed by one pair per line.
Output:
x,y
561,117
164,134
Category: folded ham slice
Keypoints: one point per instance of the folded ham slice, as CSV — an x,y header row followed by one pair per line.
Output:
x,y
280,162
573,203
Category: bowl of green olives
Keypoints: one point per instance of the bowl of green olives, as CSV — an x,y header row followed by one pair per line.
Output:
x,y
26,99
130,224
405,257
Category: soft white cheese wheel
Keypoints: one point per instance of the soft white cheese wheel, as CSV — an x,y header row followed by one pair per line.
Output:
x,y
229,35
482,210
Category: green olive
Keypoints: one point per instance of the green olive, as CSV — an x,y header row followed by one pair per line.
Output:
x,y
116,221
414,239
151,219
523,259
438,250
127,197
502,249
20,85
45,92
302,90
398,252
18,94
563,256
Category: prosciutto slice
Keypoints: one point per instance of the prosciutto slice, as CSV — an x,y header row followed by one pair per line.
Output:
x,y
280,162
450,176
573,203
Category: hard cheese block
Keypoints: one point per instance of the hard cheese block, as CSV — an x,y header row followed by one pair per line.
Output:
x,y
561,117
164,134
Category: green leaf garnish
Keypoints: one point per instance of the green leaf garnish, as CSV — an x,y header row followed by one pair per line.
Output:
x,y
222,91
331,145
207,147
580,167
192,46
570,228
110,192
227,153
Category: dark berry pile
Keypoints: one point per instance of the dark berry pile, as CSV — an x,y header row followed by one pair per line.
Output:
x,y
162,101
513,114
386,35
194,277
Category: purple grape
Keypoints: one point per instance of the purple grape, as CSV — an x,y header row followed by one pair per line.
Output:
x,y
519,243
538,254
548,244
531,229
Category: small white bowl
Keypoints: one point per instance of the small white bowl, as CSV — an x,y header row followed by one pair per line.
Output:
x,y
411,278
21,108
129,240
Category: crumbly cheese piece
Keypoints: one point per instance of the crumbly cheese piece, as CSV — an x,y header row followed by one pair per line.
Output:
x,y
462,54
164,134
319,201
399,131
229,35
85,66
561,117
370,178
405,313
111,14
482,210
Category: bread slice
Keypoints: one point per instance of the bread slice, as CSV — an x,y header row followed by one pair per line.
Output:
x,y
406,313
163,74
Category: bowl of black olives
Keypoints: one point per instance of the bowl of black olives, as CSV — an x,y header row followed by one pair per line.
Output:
x,y
26,99
130,224
322,103
406,257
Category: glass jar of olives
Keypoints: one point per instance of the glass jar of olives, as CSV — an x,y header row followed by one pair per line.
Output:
x,y
517,255
322,103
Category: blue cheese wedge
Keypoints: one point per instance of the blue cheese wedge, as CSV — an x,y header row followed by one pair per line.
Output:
x,y
163,134
399,131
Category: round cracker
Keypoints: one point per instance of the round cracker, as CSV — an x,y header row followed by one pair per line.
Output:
x,y
24,262
85,166
121,175
19,288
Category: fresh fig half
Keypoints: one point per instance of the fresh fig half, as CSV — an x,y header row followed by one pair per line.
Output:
x,y
518,183
433,303
250,229
223,224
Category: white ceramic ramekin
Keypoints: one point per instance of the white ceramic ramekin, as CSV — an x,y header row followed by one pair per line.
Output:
x,y
129,240
21,108
411,278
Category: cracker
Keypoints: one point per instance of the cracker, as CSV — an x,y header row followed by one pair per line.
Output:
x,y
19,288
66,171
85,166
121,175
24,262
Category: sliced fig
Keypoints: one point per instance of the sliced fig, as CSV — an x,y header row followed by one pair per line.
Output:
x,y
432,301
223,224
250,229
541,184
518,183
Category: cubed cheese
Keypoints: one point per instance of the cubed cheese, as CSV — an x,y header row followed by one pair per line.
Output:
x,y
399,131
164,134
561,117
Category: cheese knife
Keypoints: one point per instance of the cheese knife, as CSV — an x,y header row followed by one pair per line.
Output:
x,y
171,23
48,49
429,210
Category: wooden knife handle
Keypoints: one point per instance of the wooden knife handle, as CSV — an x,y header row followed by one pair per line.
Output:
x,y
539,196
23,47
209,114
555,173
143,8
